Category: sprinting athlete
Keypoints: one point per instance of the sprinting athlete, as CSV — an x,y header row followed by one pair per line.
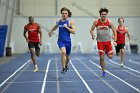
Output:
x,y
103,26
33,39
122,30
66,27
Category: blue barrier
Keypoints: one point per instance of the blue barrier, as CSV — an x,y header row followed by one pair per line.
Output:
x,y
3,33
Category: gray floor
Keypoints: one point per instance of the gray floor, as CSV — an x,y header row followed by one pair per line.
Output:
x,y
6,59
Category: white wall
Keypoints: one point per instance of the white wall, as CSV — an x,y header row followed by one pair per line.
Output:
x,y
82,35
38,7
79,7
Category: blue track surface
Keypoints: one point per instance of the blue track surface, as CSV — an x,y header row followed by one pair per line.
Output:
x,y
83,76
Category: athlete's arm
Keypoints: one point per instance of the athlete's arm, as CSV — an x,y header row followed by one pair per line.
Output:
x,y
53,29
129,37
40,32
114,31
72,27
24,34
92,29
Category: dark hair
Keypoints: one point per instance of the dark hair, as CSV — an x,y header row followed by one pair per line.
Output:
x,y
30,17
103,10
120,18
69,12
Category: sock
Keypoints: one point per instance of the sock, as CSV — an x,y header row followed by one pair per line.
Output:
x,y
36,66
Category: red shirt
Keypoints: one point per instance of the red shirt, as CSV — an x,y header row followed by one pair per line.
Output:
x,y
103,30
32,32
106,23
121,34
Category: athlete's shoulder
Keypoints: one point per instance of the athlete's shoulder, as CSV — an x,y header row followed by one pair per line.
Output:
x,y
37,24
95,22
26,25
126,29
71,20
117,27
60,20
109,20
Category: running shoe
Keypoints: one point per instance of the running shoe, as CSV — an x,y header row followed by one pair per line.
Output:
x,y
36,69
121,65
66,68
63,71
103,74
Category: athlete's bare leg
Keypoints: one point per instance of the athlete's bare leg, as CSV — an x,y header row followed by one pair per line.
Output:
x,y
33,56
122,56
67,59
117,54
102,62
37,52
63,58
110,56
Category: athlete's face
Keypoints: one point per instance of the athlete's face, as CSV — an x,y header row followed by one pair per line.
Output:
x,y
103,15
31,19
64,14
121,22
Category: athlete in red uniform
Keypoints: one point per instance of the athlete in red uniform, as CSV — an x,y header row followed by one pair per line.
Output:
x,y
103,26
33,39
121,33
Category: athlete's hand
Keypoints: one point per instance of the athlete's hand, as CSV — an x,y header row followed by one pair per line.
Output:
x,y
93,37
112,37
65,25
130,42
114,43
50,33
40,43
27,40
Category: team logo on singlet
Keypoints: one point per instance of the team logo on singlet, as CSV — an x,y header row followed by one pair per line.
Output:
x,y
102,28
121,31
60,25
32,30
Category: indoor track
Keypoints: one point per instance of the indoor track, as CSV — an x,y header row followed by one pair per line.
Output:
x,y
83,76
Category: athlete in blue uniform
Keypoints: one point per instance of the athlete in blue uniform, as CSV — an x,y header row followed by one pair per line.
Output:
x,y
66,27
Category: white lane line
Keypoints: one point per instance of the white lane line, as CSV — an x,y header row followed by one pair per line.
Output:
x,y
21,71
116,77
112,88
14,73
86,85
123,70
57,76
67,81
69,70
134,62
124,66
45,77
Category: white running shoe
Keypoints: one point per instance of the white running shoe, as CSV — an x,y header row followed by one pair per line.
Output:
x,y
36,69
121,65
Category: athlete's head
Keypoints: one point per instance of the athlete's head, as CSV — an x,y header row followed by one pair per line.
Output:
x,y
121,21
31,19
65,13
103,13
